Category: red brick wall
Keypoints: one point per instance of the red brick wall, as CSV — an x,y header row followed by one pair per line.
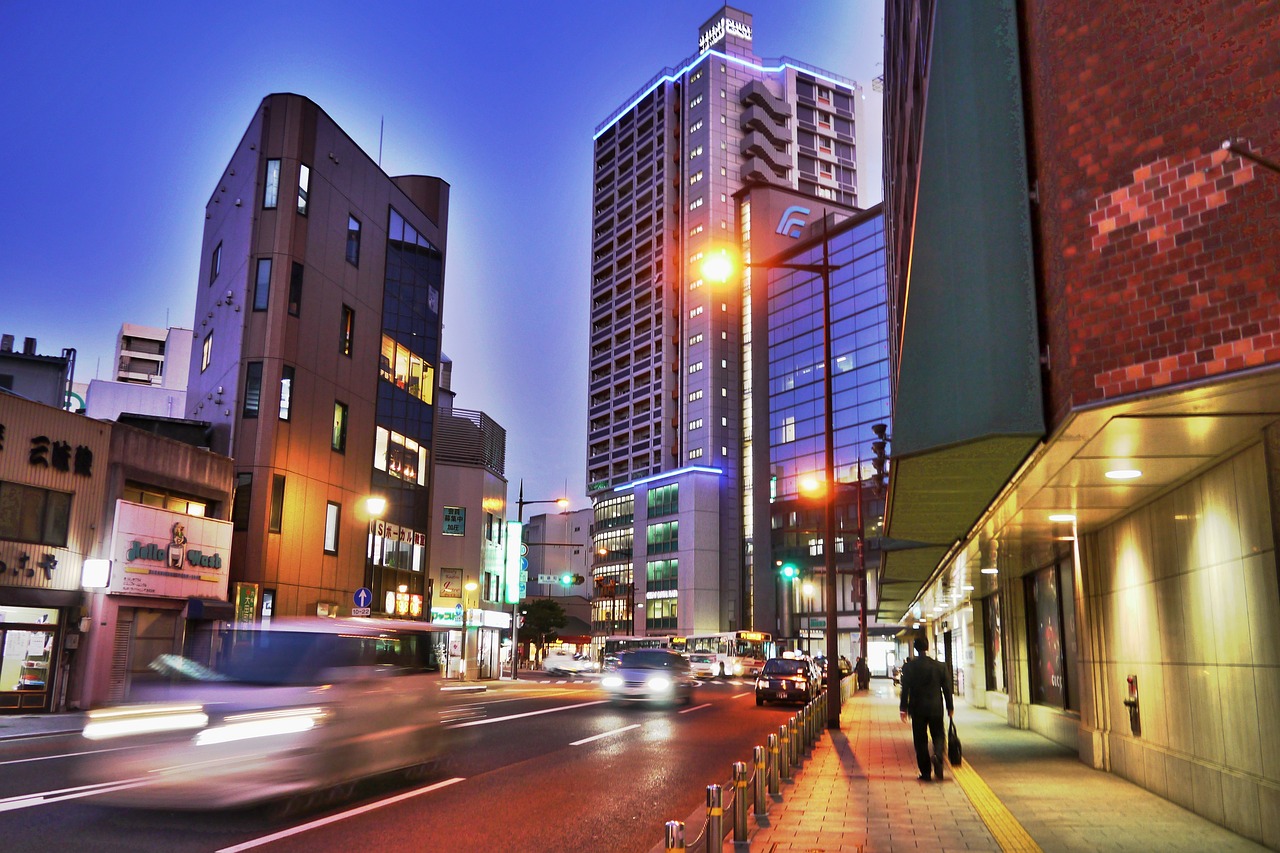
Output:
x,y
1159,252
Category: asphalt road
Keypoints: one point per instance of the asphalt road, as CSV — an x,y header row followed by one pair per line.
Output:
x,y
546,764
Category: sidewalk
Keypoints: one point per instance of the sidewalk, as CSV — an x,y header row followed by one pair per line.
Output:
x,y
1015,791
27,725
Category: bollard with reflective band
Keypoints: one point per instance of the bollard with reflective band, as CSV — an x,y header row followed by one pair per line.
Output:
x,y
739,802
794,736
761,780
715,817
784,754
675,836
773,765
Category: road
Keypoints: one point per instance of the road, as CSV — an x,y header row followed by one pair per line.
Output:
x,y
549,765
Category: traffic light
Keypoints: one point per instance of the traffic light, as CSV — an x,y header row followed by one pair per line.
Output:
x,y
570,579
790,571
881,458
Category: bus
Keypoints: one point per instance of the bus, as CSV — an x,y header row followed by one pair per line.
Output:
x,y
613,645
737,652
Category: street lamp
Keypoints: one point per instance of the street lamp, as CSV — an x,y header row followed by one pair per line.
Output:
x,y
718,268
469,586
521,503
374,507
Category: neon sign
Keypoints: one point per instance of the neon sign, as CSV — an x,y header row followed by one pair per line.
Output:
x,y
721,28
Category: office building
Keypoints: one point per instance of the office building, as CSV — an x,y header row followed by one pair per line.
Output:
x,y
150,375
1082,201
665,413
315,348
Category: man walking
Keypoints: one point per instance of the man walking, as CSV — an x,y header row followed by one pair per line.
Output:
x,y
926,684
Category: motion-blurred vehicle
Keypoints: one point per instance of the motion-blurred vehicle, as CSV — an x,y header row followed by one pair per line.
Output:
x,y
284,712
786,680
610,663
704,665
567,663
650,675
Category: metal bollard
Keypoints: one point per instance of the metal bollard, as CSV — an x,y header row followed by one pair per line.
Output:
x,y
761,780
806,717
715,817
739,802
784,754
675,836
794,737
773,764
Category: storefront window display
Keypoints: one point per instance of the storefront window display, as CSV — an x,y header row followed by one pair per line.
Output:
x,y
1051,633
992,643
27,642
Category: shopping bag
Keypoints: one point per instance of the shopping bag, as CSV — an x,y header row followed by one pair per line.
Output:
x,y
953,745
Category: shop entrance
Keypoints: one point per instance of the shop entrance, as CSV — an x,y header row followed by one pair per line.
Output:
x,y
28,665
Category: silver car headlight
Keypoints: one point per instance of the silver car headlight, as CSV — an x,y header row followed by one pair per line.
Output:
x,y
263,724
611,681
660,683
143,720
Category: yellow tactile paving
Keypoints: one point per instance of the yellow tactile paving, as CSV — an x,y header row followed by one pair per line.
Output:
x,y
1005,828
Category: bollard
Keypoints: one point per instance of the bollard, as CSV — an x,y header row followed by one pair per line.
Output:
x,y
761,780
773,765
793,757
806,715
739,802
675,836
784,754
715,817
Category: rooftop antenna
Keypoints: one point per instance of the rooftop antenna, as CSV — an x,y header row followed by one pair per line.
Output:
x,y
381,124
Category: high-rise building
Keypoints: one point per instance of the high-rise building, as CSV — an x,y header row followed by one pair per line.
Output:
x,y
316,345
665,412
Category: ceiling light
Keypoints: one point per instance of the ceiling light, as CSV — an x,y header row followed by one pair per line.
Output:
x,y
1062,516
968,587
1124,474
991,571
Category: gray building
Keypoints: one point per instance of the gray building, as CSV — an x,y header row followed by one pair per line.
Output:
x,y
666,347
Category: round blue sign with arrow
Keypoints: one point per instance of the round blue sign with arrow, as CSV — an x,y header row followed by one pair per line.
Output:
x,y
363,597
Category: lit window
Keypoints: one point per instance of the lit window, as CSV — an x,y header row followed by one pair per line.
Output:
x,y
295,289
271,187
215,263
695,102
399,456
695,231
696,126
695,152
348,331
696,423
695,284
353,240
694,454
262,285
406,369
724,422
696,339
697,75
695,367
696,203
286,391
696,395
304,183
206,351
695,257
695,177
695,312
724,362
339,442
332,518
252,389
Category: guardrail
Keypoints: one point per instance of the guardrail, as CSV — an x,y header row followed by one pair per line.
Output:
x,y
772,765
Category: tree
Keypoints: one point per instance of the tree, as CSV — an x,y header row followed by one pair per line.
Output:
x,y
542,616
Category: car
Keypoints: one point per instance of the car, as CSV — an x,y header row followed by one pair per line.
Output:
x,y
294,712
650,675
786,680
704,665
567,663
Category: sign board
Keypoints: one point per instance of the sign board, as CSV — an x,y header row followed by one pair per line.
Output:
x,y
361,611
168,554
363,597
451,583
246,602
548,579
455,521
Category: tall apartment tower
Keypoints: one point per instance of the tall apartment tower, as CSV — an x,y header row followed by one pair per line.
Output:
x,y
665,407
316,348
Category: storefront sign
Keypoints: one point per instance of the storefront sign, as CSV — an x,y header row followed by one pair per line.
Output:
x,y
721,28
455,521
386,530
246,602
168,554
451,583
45,452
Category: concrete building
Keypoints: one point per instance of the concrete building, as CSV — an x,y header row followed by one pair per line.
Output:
x,y
44,378
1086,447
666,350
559,544
150,377
315,348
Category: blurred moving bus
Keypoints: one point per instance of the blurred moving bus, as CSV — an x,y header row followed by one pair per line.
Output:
x,y
736,652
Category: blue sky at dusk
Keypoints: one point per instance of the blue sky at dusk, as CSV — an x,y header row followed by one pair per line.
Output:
x,y
119,119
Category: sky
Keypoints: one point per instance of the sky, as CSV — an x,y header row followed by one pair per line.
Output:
x,y
119,119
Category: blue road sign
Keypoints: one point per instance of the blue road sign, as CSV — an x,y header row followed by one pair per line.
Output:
x,y
363,596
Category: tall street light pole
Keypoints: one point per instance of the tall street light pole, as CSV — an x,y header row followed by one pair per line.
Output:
x,y
563,503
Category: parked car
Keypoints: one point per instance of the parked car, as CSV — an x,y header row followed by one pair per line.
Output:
x,y
291,711
567,663
786,680
704,665
650,675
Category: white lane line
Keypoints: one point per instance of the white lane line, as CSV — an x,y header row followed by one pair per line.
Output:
x,y
605,734
696,707
63,755
526,714
334,818
740,695
26,801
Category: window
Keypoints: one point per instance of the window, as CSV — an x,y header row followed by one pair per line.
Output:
x,y
695,177
696,453
262,285
401,457
695,102
663,538
304,183
32,514
696,126
332,517
286,390
696,423
339,442
206,351
697,75
271,188
724,422
353,240
695,367
695,396
252,389
724,362
406,370
696,339
695,152
295,289
695,284
240,506
348,330
696,203
215,262
277,504
695,231
663,500
695,312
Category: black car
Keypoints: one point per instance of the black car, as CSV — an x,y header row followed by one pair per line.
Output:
x,y
786,680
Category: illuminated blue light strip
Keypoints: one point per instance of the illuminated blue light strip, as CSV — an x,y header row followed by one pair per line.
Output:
x,y
671,78
692,469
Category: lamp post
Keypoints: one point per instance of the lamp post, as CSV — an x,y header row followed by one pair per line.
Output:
x,y
374,507
469,586
521,503
717,268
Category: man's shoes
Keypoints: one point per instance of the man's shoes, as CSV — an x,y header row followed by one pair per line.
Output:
x,y
923,777
937,768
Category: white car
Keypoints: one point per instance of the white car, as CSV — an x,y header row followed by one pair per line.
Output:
x,y
703,665
565,663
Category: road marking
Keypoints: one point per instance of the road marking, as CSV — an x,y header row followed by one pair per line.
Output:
x,y
334,818
1004,827
740,695
26,801
696,707
526,714
63,755
605,734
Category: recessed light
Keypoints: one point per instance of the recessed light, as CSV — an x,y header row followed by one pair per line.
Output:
x,y
1062,516
991,571
1124,474
968,588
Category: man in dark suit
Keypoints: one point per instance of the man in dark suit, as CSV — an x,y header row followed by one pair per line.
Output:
x,y
926,684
